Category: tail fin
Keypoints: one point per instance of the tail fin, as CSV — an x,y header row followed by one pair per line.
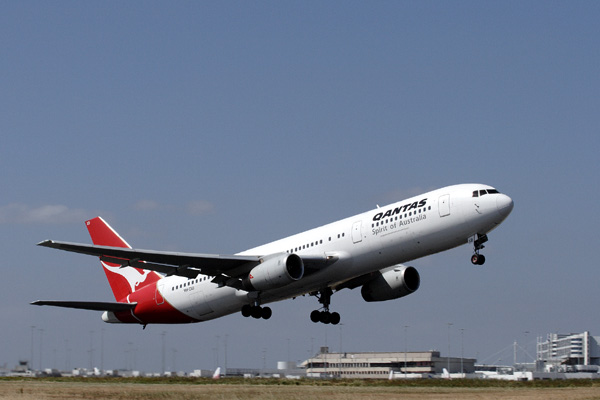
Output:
x,y
123,280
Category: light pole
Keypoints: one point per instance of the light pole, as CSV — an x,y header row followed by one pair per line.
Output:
x,y
526,353
341,341
92,351
405,350
448,357
341,349
225,344
312,352
163,351
102,351
217,351
174,360
31,360
41,330
67,363
462,348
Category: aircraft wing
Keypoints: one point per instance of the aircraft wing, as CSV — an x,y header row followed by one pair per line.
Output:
x,y
227,270
188,265
87,305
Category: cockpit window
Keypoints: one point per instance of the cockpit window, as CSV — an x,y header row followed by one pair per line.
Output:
x,y
483,192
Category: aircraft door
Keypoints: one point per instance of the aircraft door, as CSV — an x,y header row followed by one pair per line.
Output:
x,y
357,232
158,295
444,205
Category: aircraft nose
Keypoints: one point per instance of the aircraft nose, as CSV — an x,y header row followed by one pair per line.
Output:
x,y
504,205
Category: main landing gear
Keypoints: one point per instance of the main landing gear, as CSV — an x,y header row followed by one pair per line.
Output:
x,y
256,311
478,259
325,316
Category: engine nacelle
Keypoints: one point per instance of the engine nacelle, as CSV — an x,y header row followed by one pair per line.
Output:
x,y
274,271
392,283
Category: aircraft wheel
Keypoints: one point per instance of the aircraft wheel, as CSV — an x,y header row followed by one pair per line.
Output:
x,y
256,312
246,310
325,317
335,318
315,316
478,259
266,313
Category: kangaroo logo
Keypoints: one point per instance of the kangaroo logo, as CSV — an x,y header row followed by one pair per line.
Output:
x,y
133,276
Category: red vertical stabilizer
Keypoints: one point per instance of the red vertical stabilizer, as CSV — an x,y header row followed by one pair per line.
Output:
x,y
123,281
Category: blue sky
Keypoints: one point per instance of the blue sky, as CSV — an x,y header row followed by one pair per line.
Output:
x,y
218,126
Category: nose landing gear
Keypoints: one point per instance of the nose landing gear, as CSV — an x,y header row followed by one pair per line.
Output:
x,y
478,259
478,241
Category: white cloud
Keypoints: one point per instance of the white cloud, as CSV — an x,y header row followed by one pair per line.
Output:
x,y
146,205
199,207
18,213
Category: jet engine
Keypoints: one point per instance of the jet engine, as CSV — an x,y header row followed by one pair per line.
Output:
x,y
391,283
274,271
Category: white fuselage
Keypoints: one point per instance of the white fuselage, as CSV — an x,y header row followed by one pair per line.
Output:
x,y
413,228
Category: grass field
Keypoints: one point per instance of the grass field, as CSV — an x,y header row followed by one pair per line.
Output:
x,y
134,389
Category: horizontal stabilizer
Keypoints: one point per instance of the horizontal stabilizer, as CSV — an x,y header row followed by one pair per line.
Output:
x,y
87,305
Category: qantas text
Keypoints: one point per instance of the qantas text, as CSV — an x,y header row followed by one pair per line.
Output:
x,y
401,209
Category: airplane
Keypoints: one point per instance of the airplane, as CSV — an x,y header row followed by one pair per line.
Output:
x,y
367,250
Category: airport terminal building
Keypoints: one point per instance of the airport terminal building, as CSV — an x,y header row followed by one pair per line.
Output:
x,y
569,349
380,365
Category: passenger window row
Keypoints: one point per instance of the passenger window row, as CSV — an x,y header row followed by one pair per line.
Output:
x,y
312,244
190,282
